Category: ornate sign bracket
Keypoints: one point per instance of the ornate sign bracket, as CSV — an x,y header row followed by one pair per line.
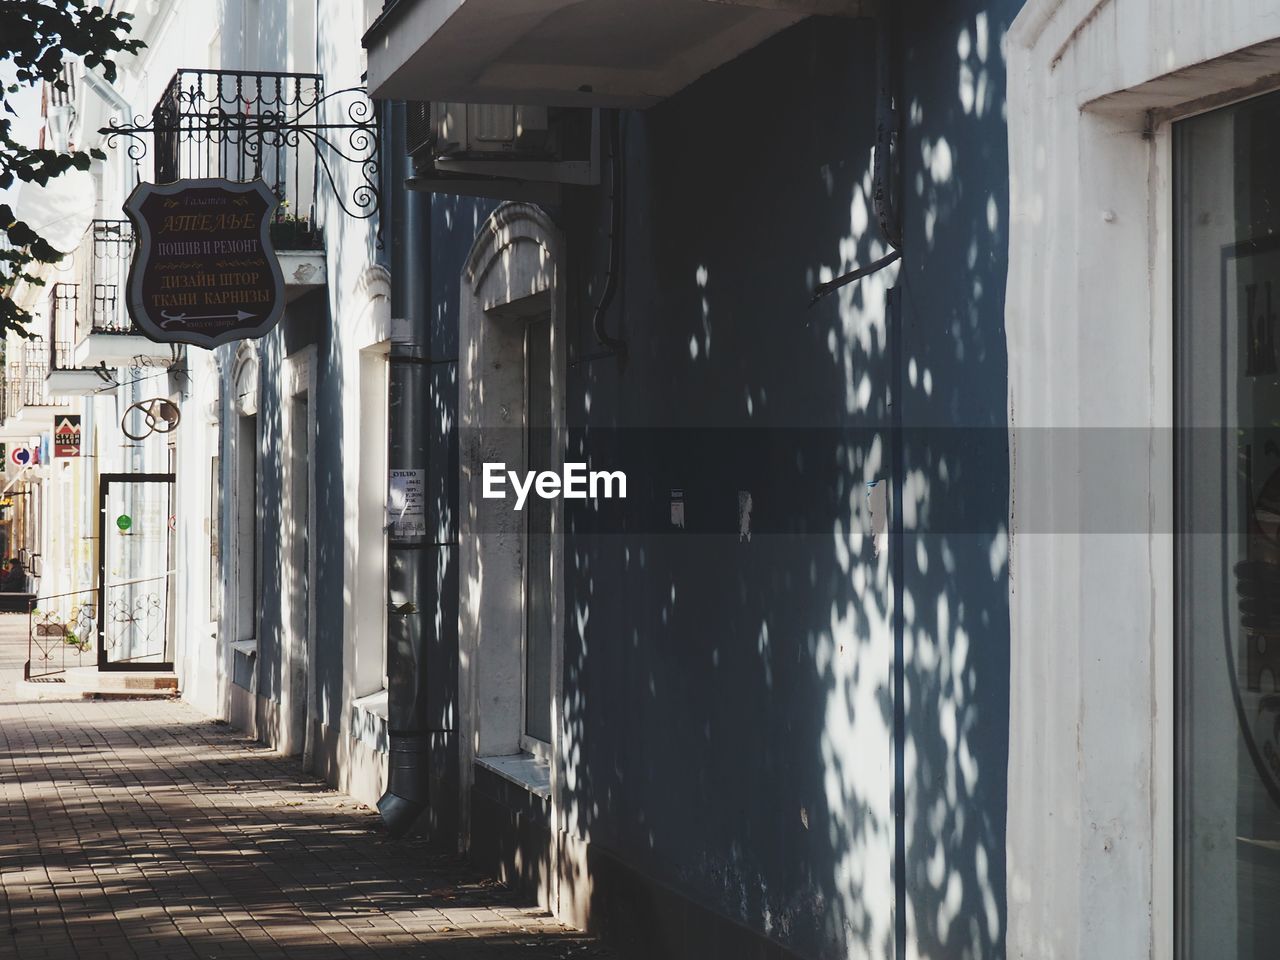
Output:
x,y
280,127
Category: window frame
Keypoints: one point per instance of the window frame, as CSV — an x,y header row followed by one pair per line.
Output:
x,y
371,522
301,373
1092,92
529,743
367,334
517,249
246,386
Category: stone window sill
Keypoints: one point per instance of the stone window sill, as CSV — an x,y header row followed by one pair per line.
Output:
x,y
374,704
524,770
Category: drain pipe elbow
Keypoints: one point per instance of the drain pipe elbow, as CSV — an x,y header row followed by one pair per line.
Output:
x,y
408,757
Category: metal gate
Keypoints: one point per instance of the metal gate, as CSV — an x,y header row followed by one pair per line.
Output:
x,y
135,571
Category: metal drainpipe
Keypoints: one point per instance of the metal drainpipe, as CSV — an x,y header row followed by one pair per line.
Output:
x,y
886,173
408,615
886,165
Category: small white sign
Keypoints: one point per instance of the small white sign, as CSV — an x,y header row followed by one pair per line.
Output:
x,y
407,503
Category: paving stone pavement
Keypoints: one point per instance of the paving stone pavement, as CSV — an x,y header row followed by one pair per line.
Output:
x,y
140,829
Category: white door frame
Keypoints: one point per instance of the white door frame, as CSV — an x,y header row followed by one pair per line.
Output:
x,y
512,273
300,380
1093,86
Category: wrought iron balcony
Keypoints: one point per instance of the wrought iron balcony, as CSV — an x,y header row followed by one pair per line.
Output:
x,y
282,127
6,268
89,324
94,302
242,125
26,398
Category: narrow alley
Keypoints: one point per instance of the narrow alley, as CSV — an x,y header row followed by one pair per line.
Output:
x,y
140,829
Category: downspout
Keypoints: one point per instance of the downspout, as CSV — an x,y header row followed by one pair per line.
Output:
x,y
886,169
611,343
886,166
408,615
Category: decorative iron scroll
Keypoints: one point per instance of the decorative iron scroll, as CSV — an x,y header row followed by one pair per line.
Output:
x,y
158,414
60,632
134,624
278,126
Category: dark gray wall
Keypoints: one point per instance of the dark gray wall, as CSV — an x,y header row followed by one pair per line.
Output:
x,y
305,323
953,324
455,221
699,692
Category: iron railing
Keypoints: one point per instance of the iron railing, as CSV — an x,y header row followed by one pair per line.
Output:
x,y
60,633
7,270
25,377
282,127
241,125
136,617
63,630
94,301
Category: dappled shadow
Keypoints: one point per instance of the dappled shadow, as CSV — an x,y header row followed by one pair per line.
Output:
x,y
729,726
729,723
150,831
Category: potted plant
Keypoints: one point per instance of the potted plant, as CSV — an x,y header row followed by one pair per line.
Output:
x,y
290,232
48,625
72,639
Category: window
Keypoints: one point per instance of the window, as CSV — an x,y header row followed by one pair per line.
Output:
x,y
1227,754
511,411
371,546
537,574
215,536
246,541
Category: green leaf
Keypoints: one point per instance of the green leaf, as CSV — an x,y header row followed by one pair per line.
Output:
x,y
36,38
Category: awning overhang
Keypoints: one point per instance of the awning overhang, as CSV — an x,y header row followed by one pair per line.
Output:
x,y
61,210
600,53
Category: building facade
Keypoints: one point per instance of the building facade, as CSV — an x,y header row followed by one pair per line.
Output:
x,y
934,345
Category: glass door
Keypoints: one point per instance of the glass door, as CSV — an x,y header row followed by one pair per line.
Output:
x,y
1227,269
135,576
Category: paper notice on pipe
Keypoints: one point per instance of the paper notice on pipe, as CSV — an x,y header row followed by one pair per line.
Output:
x,y
407,503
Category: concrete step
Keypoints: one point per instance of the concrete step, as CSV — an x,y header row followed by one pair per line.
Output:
x,y
89,681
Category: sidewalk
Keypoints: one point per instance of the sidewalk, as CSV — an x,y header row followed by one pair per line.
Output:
x,y
139,829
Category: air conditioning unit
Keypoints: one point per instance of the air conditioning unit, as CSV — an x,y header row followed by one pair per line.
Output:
x,y
503,151
489,129
418,132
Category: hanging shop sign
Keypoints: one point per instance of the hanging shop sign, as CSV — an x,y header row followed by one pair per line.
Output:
x,y
146,417
204,271
23,456
66,435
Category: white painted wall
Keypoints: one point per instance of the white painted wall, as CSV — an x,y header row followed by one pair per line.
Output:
x,y
359,302
1092,87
